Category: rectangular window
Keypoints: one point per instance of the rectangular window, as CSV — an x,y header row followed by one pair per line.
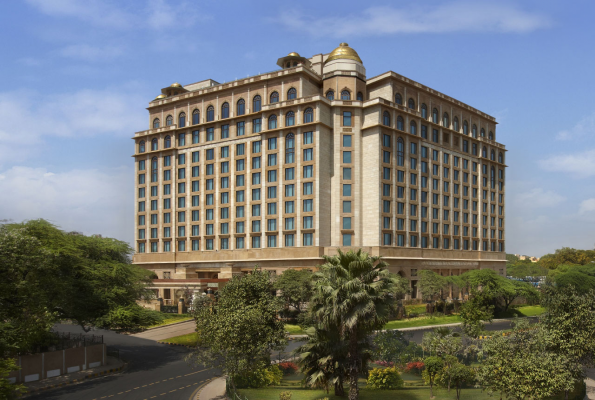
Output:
x,y
256,226
289,240
346,118
256,127
346,140
182,139
272,143
256,178
210,134
256,210
272,192
347,157
240,165
308,223
195,137
271,241
272,160
346,240
308,154
240,148
308,188
255,162
307,239
240,129
308,138
346,206
308,205
347,174
239,180
308,171
272,175
346,222
289,224
346,190
240,227
224,131
289,174
289,190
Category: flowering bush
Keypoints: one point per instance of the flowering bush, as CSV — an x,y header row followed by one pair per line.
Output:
x,y
288,367
385,363
415,367
384,378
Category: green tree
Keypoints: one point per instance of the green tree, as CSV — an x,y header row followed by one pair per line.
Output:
x,y
238,332
433,367
295,286
393,346
323,359
569,324
460,374
474,313
431,284
567,255
521,366
354,292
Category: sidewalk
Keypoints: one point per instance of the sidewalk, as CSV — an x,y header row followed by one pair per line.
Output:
x,y
215,390
590,382
113,365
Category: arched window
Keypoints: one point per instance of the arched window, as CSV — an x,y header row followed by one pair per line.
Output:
x,y
241,107
330,95
274,97
398,98
256,104
500,158
483,132
466,128
445,120
167,142
195,117
291,94
386,118
290,118
400,123
225,110
308,115
493,155
424,111
273,122
141,146
154,169
484,152
413,128
360,96
411,104
345,95
491,135
210,113
455,123
289,148
493,178
474,131
156,123
182,120
169,120
400,152
435,117
154,145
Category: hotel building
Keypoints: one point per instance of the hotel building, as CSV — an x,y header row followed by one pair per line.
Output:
x,y
278,169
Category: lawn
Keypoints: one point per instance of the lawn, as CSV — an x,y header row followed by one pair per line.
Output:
x,y
423,321
525,311
186,340
294,329
172,319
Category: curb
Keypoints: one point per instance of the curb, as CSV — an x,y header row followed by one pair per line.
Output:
x,y
196,395
177,344
70,382
168,325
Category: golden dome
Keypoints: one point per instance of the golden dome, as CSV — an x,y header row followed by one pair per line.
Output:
x,y
161,96
343,52
176,85
293,54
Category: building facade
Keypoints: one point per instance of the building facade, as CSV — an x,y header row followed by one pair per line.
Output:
x,y
278,169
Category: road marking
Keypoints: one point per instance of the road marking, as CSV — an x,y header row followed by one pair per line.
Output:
x,y
179,376
171,391
136,388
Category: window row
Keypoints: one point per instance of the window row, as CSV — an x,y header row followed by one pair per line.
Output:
x,y
345,95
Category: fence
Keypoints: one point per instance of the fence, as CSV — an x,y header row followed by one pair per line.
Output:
x,y
44,365
65,340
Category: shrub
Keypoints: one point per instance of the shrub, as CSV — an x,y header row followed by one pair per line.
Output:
x,y
288,367
415,367
285,395
260,378
387,378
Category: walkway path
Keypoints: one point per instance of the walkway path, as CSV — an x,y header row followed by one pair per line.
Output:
x,y
168,331
590,381
215,390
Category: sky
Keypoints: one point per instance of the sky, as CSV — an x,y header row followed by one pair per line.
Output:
x,y
77,75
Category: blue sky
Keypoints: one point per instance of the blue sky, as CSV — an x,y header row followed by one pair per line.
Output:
x,y
77,76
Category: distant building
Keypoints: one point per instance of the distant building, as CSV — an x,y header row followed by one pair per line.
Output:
x,y
278,169
522,257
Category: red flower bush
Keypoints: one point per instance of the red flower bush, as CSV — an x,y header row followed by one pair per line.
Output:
x,y
385,363
415,367
288,367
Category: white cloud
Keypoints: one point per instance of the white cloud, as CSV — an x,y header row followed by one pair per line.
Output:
x,y
455,16
30,118
587,206
583,128
91,53
537,197
90,201
156,14
580,164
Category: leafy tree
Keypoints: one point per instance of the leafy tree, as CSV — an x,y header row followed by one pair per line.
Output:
x,y
460,374
354,292
431,284
442,342
474,312
581,277
295,286
394,347
511,290
433,367
7,389
569,324
511,259
521,366
567,255
238,332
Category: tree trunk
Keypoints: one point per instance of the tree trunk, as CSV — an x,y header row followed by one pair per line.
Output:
x,y
339,391
566,395
353,365
431,389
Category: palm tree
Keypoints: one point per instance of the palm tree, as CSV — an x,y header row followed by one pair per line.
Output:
x,y
354,293
323,359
